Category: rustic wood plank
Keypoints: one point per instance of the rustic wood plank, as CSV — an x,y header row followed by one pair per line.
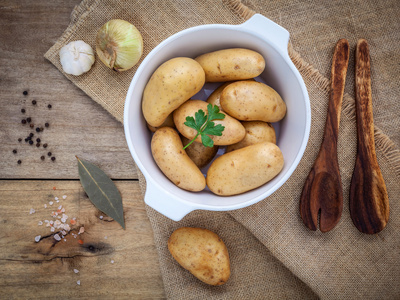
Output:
x,y
78,125
46,269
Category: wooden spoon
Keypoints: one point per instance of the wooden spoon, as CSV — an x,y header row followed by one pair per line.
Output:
x,y
322,191
369,202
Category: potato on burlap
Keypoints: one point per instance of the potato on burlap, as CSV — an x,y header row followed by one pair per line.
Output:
x,y
202,253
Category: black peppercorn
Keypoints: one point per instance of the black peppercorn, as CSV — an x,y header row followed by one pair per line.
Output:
x,y
29,138
31,134
53,158
37,144
37,129
19,161
28,120
42,157
38,140
45,145
30,142
15,151
49,154
26,139
31,125
49,106
41,128
23,121
47,124
23,110
34,102
19,139
25,93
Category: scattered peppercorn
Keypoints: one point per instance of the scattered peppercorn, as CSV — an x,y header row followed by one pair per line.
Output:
x,y
23,110
49,106
28,120
26,139
49,154
45,145
19,161
47,124
23,121
34,102
38,140
42,157
30,142
41,128
15,151
31,125
37,144
25,93
31,134
19,139
53,158
37,129
29,138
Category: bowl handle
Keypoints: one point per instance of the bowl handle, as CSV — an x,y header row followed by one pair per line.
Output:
x,y
165,203
269,30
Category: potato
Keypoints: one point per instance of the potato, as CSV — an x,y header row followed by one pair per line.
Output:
x,y
231,64
202,253
168,153
215,96
233,132
252,101
256,132
198,153
174,82
168,122
244,169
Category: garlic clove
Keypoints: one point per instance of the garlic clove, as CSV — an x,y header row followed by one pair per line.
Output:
x,y
76,58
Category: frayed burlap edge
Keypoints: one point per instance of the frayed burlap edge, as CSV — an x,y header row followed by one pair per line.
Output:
x,y
382,141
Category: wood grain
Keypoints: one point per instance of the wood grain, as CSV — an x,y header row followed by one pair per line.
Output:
x,y
78,125
369,202
322,192
46,269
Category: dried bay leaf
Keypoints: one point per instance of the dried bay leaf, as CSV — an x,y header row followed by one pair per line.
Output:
x,y
101,190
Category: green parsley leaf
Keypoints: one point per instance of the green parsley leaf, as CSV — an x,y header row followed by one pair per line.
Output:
x,y
204,125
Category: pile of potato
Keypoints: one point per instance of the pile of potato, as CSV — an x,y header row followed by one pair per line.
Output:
x,y
251,158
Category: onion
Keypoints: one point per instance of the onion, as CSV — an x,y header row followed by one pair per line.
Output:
x,y
119,45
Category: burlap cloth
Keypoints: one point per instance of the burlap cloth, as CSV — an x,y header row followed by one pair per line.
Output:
x,y
273,255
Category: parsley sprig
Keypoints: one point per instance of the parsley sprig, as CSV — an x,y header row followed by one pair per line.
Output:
x,y
205,126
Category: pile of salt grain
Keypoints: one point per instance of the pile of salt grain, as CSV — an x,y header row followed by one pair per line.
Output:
x,y
59,224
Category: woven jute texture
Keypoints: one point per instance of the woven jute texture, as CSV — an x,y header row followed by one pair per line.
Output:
x,y
273,255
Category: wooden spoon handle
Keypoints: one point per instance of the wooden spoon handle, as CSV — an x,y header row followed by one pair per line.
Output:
x,y
369,202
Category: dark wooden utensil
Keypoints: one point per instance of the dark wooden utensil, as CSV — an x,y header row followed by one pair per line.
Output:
x,y
369,202
322,191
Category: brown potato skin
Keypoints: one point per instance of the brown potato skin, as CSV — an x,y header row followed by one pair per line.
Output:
x,y
168,153
233,132
244,169
231,64
169,122
198,153
256,132
252,101
171,84
202,253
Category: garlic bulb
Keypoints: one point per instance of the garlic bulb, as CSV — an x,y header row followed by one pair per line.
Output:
x,y
119,45
76,58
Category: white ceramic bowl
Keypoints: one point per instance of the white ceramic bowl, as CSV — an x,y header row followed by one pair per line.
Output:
x,y
259,34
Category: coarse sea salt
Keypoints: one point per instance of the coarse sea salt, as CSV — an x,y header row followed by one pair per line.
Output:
x,y
112,261
32,211
76,271
78,282
37,238
101,217
65,196
57,237
51,202
40,223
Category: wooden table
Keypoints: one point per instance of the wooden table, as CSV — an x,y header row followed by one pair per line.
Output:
x,y
112,262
